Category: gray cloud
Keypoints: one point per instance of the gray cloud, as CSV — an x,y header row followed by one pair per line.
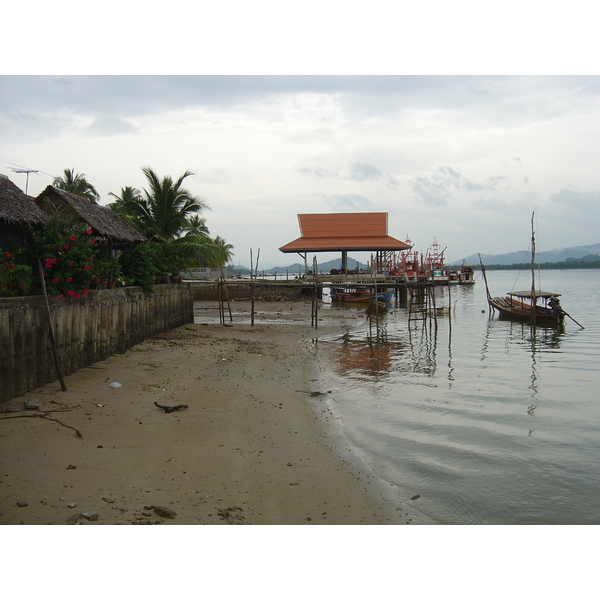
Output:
x,y
583,201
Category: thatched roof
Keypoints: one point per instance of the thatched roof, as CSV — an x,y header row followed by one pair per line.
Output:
x,y
105,222
16,207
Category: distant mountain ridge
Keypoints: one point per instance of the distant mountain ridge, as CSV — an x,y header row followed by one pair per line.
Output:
x,y
522,256
324,267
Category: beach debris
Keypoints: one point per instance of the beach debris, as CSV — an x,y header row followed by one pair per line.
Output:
x,y
314,393
90,516
22,504
71,505
74,520
231,515
32,404
167,513
416,496
70,467
115,384
108,500
169,409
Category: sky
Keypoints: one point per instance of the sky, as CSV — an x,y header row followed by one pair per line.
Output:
x,y
463,159
424,112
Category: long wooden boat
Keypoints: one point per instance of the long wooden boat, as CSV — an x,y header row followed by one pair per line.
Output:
x,y
536,306
540,307
359,294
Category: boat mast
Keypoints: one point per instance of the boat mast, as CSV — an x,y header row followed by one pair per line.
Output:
x,y
533,298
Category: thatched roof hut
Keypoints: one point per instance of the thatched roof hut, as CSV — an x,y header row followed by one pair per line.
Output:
x,y
17,209
106,224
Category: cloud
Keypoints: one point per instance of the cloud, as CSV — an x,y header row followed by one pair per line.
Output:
x,y
349,202
583,201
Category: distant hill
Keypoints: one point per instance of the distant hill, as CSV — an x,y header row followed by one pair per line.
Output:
x,y
324,267
588,253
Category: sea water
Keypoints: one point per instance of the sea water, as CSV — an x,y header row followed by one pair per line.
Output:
x,y
488,421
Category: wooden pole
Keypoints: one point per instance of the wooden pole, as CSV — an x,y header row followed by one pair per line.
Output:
x,y
533,298
51,330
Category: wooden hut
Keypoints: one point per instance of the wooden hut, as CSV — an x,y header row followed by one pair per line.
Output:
x,y
108,227
18,212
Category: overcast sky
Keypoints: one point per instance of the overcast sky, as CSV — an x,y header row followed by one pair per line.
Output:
x,y
464,159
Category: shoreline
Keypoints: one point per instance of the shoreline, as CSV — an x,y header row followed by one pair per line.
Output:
x,y
249,449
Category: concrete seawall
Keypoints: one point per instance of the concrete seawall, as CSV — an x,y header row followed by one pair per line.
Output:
x,y
104,323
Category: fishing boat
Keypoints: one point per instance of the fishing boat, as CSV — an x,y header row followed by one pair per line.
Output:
x,y
434,265
359,294
466,275
453,277
537,306
542,307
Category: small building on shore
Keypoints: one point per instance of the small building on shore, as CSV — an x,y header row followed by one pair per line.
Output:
x,y
344,232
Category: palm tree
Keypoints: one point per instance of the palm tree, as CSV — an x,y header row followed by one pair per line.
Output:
x,y
167,214
77,184
224,251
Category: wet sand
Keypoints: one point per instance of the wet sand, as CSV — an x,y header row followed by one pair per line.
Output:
x,y
252,446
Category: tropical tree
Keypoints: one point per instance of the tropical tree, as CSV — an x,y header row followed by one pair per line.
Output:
x,y
77,184
224,251
166,213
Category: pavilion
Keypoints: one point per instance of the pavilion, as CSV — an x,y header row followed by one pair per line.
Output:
x,y
344,232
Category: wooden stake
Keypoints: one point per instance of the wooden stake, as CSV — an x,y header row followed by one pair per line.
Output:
x,y
51,330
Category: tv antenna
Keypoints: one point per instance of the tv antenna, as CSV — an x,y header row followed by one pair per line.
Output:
x,y
23,170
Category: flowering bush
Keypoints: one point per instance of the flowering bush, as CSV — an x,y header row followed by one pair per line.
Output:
x,y
66,250
15,278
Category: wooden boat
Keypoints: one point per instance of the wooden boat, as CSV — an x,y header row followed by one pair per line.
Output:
x,y
359,294
524,306
453,277
466,275
434,265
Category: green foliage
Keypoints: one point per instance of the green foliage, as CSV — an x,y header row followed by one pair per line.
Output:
x,y
138,265
66,250
76,183
15,277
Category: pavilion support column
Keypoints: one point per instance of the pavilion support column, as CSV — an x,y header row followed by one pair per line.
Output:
x,y
345,262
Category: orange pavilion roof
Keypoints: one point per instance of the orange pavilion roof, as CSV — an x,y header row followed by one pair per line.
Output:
x,y
343,231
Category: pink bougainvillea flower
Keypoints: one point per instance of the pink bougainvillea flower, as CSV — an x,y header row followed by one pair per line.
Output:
x,y
87,267
48,263
55,280
72,237
66,246
76,296
69,292
92,241
69,279
88,231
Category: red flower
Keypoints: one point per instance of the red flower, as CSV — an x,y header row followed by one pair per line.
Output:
x,y
72,237
76,296
69,279
87,267
69,292
65,246
8,255
92,241
55,280
48,263
86,292
88,231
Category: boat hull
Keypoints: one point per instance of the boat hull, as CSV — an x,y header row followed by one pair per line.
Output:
x,y
513,309
360,296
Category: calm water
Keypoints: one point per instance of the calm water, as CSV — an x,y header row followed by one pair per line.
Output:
x,y
489,421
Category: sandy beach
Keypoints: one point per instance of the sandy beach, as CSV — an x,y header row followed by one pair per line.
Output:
x,y
251,445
